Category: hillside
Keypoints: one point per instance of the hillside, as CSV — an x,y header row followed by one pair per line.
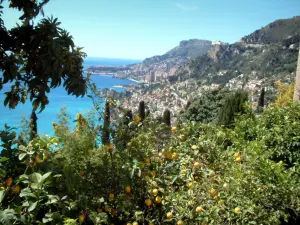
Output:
x,y
186,49
268,54
275,32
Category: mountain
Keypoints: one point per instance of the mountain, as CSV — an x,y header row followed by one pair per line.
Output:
x,y
187,49
268,54
275,32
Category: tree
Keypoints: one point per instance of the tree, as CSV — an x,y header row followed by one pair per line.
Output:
x,y
36,58
234,104
167,117
261,100
33,125
142,110
106,124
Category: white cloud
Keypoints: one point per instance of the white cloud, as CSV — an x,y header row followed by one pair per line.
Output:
x,y
185,7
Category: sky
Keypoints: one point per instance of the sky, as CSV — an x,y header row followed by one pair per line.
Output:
x,y
137,29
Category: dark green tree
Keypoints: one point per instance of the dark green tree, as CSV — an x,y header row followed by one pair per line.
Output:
x,y
33,125
142,110
261,101
234,104
106,124
167,117
35,57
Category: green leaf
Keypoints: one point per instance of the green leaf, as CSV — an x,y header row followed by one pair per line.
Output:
x,y
32,206
36,177
2,194
45,176
22,156
3,159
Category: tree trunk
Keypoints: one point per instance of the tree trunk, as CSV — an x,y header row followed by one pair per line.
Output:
x,y
297,85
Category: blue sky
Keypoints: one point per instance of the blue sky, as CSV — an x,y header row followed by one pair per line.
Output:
x,y
137,29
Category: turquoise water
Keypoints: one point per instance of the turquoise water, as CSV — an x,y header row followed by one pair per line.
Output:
x,y
58,98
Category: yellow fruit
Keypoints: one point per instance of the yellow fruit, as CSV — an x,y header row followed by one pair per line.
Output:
x,y
199,209
155,192
183,171
238,154
190,185
37,159
237,210
111,196
197,164
128,224
147,161
195,147
213,193
135,223
168,155
238,159
179,222
148,202
128,189
16,189
175,155
158,200
225,185
174,129
160,154
81,218
169,215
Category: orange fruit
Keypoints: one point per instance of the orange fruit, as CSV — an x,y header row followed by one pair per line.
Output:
x,y
169,215
148,202
147,161
175,155
158,200
199,209
238,159
16,189
179,222
106,209
197,164
128,189
153,173
190,185
99,210
155,192
238,154
135,223
128,224
37,158
114,212
237,210
111,196
213,193
168,155
8,181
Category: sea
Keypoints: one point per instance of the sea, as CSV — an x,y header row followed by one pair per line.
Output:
x,y
59,98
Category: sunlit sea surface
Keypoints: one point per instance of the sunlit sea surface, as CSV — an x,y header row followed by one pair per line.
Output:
x,y
58,98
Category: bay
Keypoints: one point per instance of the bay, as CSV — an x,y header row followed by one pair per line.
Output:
x,y
58,98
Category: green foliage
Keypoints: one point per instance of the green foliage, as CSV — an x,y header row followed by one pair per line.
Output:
x,y
234,104
42,56
205,108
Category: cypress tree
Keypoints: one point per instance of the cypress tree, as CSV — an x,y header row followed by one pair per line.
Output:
x,y
167,117
106,124
33,125
233,104
142,110
261,100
